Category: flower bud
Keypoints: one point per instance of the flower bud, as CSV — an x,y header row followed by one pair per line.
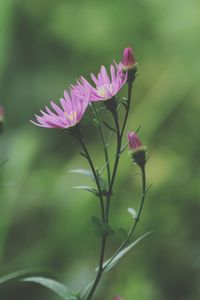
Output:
x,y
117,298
1,118
138,151
134,141
128,59
129,65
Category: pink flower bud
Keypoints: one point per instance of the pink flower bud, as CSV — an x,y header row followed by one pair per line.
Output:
x,y
138,151
117,298
134,141
128,59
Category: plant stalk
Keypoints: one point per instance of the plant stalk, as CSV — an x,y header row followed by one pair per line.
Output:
x,y
131,231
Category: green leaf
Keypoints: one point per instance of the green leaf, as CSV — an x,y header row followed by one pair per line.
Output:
x,y
19,274
109,127
87,188
110,263
83,172
54,286
132,212
88,173
30,276
101,229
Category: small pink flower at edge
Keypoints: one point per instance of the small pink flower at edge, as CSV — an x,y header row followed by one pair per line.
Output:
x,y
117,298
134,141
106,87
128,59
70,113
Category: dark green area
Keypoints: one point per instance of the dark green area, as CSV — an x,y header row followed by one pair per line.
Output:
x,y
44,223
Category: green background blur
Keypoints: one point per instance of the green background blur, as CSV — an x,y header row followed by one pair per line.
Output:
x,y
44,223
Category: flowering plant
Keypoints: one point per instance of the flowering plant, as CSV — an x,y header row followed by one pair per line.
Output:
x,y
101,94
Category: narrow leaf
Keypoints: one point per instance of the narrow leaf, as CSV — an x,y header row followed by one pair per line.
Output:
x,y
87,188
54,286
132,212
110,263
19,274
83,172
88,173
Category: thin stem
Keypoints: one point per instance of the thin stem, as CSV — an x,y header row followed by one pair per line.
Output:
x,y
103,240
103,245
112,157
100,269
118,151
119,142
132,229
103,141
111,183
95,177
127,108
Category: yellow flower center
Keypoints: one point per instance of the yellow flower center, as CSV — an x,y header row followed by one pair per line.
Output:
x,y
71,117
102,91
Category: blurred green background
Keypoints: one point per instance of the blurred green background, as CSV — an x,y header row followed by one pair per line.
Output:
x,y
44,223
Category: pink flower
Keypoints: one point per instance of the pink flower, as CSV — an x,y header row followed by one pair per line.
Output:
x,y
128,59
70,113
106,86
134,141
117,298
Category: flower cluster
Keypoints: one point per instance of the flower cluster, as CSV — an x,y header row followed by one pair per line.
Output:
x,y
74,104
103,87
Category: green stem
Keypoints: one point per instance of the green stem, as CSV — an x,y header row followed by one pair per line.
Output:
x,y
103,240
132,229
118,151
127,108
119,143
111,183
95,176
103,245
100,269
102,134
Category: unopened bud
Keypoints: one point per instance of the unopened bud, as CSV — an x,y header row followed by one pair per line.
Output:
x,y
128,59
134,141
129,64
138,151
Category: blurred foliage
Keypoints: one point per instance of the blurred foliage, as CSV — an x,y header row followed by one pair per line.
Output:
x,y
44,223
